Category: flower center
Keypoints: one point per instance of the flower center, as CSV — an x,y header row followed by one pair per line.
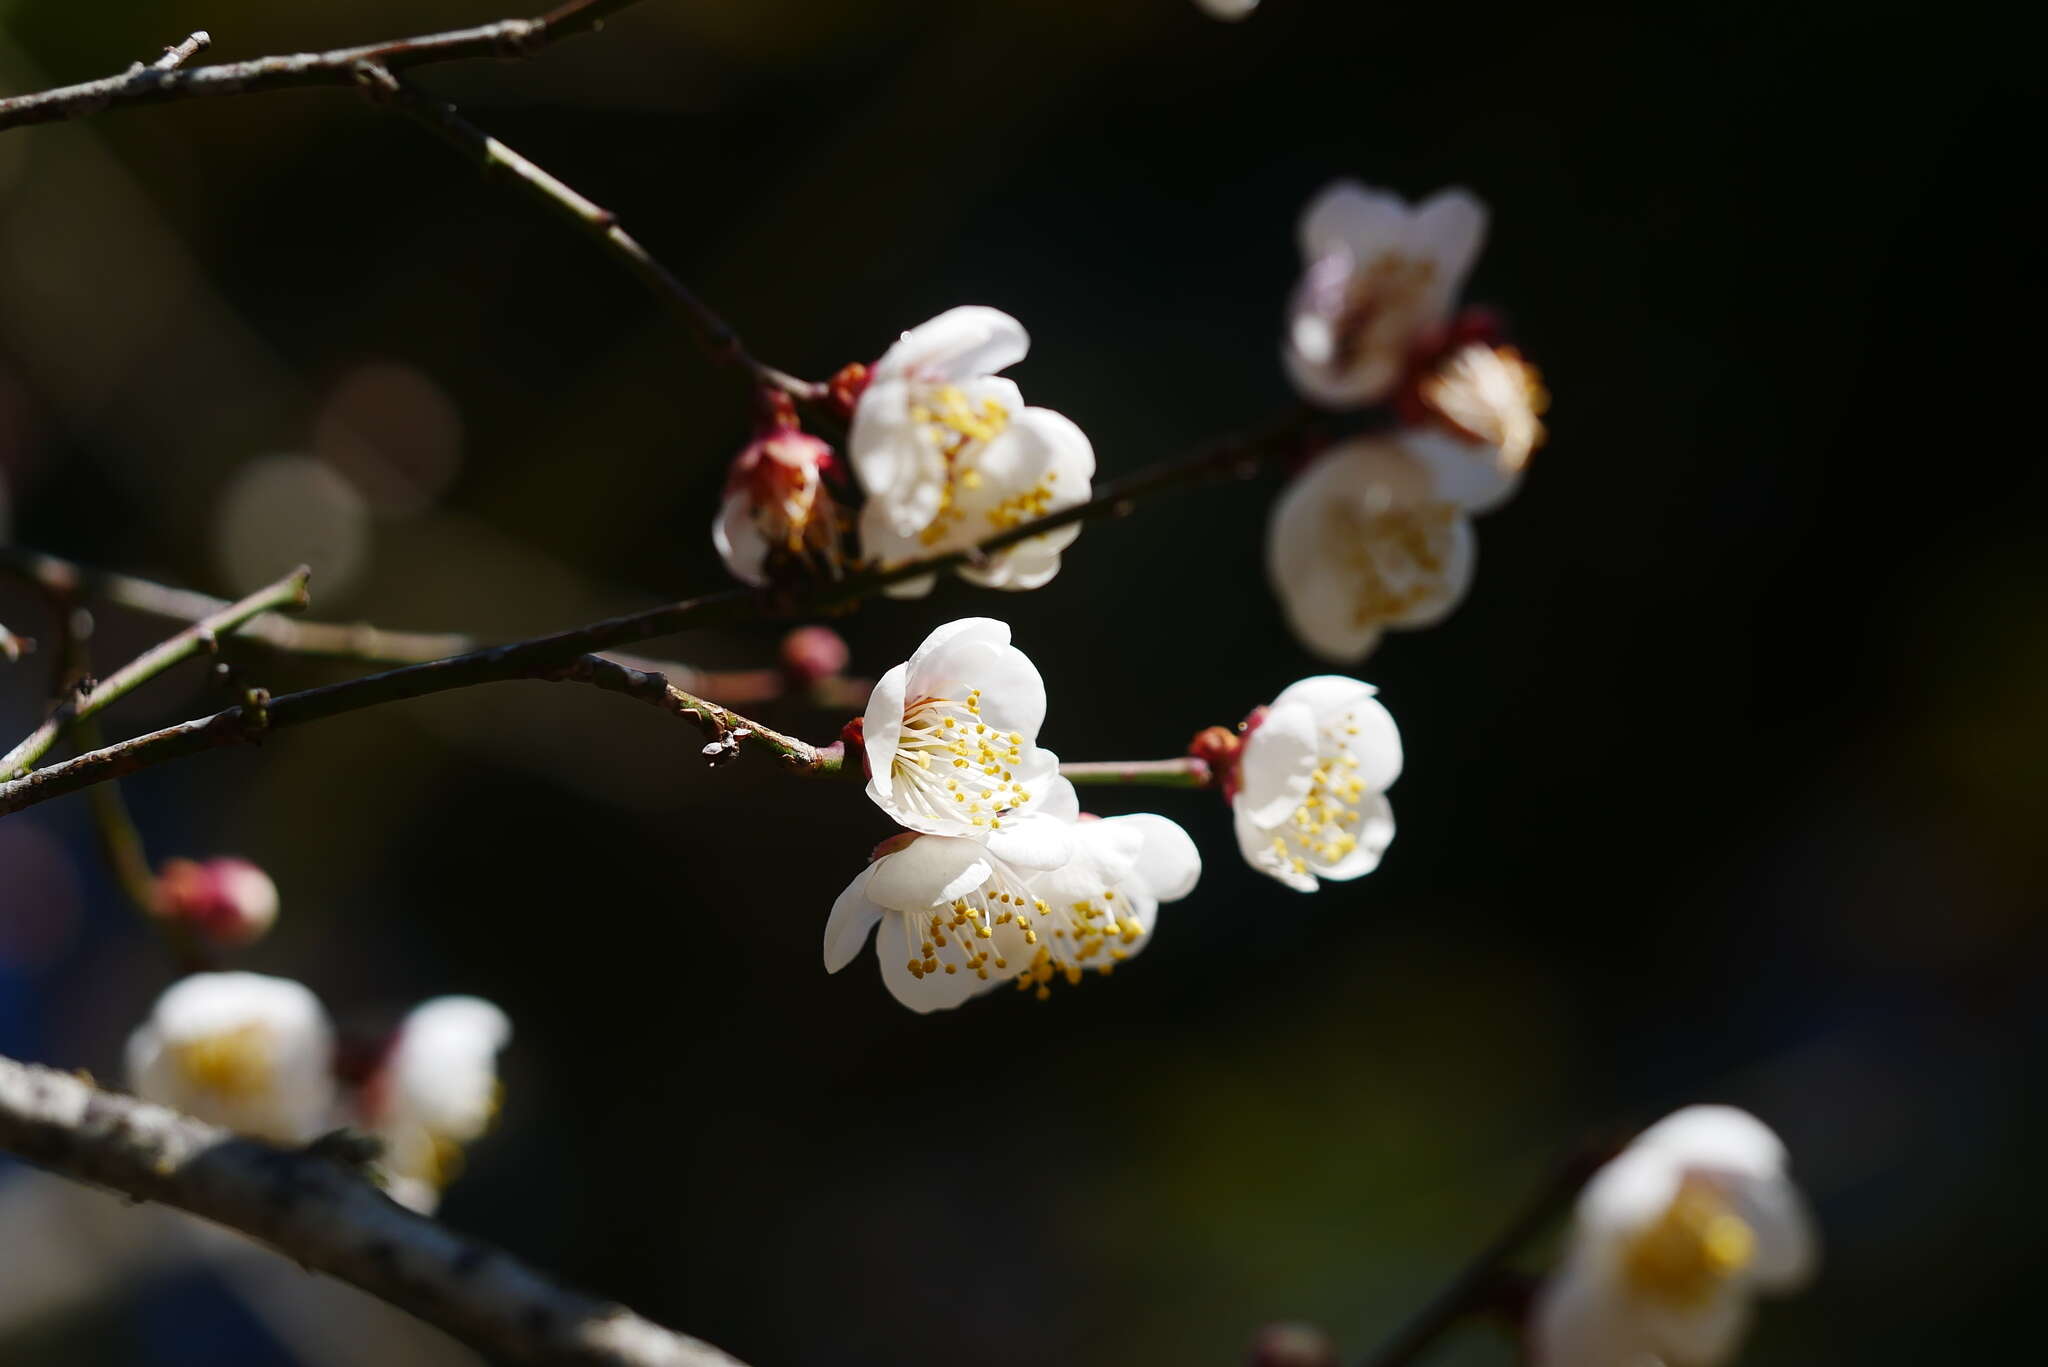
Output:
x,y
1324,828
1693,1248
959,431
1491,395
233,1064
1398,556
950,763
970,936
1093,933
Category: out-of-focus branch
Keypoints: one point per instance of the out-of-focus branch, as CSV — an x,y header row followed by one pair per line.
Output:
x,y
89,699
1488,1277
334,640
543,657
327,1217
161,83
445,122
1183,771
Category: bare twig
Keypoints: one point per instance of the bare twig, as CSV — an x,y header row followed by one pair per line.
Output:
x,y
161,84
1488,1274
724,728
442,119
1183,771
89,699
335,640
327,1217
175,57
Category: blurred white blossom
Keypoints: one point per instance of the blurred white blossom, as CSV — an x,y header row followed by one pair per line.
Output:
x,y
1309,791
1364,540
1670,1243
1227,9
435,1091
949,455
1378,275
952,742
1481,412
245,1051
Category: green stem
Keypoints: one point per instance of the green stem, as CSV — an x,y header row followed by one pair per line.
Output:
x,y
1185,771
199,638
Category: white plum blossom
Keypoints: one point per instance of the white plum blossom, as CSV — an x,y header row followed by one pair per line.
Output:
x,y
777,502
435,1091
1309,789
1669,1244
952,747
955,920
949,455
1100,907
252,1053
1482,410
1363,540
1378,275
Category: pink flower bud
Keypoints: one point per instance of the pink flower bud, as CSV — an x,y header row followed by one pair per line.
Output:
x,y
227,901
811,655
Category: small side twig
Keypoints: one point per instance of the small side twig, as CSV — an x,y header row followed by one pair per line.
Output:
x,y
89,699
1488,1273
175,57
724,729
323,1215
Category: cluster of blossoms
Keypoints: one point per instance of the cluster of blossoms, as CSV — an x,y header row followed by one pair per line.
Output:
x,y
258,1055
997,875
1669,1245
1376,533
946,455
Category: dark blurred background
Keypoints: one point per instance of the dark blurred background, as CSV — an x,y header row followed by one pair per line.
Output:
x,y
1723,785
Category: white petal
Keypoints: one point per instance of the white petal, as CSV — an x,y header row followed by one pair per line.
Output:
x,y
1723,1138
1450,228
1256,844
1707,1335
1167,862
444,1067
1059,800
929,871
961,631
912,588
739,541
932,992
882,730
1362,726
1032,841
1468,473
854,914
1012,692
1274,766
1352,217
958,344
1579,1320
1787,1247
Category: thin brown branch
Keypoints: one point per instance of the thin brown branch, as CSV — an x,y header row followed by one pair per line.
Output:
x,y
725,730
547,656
175,57
333,640
160,84
1489,1274
438,117
1182,771
89,699
325,1216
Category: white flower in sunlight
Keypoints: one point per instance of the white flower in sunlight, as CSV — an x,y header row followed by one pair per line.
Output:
x,y
1227,9
1482,410
1378,274
1099,908
1309,791
435,1091
777,503
952,742
954,919
1669,1244
249,1052
1362,541
950,456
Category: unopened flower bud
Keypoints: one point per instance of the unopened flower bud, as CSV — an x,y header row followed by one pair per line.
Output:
x,y
811,655
1292,1345
227,901
1219,748
844,389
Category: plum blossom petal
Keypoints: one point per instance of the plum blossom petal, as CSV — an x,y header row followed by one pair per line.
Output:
x,y
249,1052
950,455
434,1092
948,913
1669,1245
1310,802
1378,274
1362,541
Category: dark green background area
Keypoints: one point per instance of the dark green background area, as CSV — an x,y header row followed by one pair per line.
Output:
x,y
1722,785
